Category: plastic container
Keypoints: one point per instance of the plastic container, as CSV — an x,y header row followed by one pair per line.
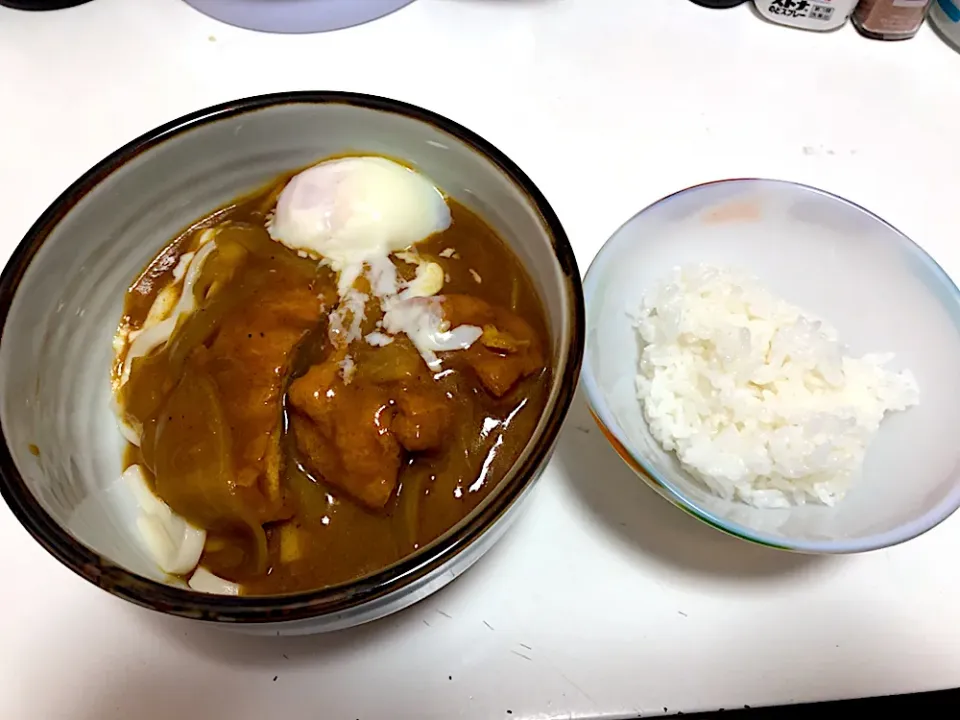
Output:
x,y
820,15
945,18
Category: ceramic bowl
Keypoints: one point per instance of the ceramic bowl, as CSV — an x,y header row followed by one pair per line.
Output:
x,y
838,261
296,16
61,296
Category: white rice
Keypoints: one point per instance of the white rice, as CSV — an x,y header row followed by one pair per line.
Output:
x,y
754,395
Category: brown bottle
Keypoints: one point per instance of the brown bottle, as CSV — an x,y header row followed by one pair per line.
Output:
x,y
890,19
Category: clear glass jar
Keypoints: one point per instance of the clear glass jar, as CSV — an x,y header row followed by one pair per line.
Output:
x,y
890,19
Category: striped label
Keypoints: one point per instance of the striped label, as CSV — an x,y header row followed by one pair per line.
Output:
x,y
950,9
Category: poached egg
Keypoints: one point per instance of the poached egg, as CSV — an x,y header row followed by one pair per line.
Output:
x,y
353,213
357,210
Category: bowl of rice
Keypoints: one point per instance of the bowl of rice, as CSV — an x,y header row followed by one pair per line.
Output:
x,y
781,363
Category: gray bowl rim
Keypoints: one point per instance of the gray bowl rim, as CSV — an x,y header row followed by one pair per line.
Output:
x,y
664,487
336,599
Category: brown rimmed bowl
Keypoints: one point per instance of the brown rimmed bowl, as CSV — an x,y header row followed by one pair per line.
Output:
x,y
61,296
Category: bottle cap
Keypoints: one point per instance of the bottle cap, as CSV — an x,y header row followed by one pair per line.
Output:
x,y
41,4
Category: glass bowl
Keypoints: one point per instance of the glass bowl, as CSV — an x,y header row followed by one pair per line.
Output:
x,y
836,260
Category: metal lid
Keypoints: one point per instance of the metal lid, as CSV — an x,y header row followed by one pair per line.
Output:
x,y
296,16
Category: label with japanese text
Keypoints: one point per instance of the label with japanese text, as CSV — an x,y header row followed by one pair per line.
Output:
x,y
811,9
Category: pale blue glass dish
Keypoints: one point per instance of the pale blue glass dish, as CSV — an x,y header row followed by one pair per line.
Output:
x,y
839,261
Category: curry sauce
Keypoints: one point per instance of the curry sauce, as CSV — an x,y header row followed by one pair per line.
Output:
x,y
305,475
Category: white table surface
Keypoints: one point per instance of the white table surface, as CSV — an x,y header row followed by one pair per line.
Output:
x,y
602,601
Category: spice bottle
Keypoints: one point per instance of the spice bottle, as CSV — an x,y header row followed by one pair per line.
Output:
x,y
807,14
890,19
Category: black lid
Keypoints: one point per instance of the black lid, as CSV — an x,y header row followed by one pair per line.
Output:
x,y
41,4
719,3
296,16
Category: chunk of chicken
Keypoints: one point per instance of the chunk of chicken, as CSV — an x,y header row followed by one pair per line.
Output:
x,y
507,351
343,432
354,435
422,419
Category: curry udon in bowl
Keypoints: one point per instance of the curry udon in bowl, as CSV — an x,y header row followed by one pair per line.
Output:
x,y
328,373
